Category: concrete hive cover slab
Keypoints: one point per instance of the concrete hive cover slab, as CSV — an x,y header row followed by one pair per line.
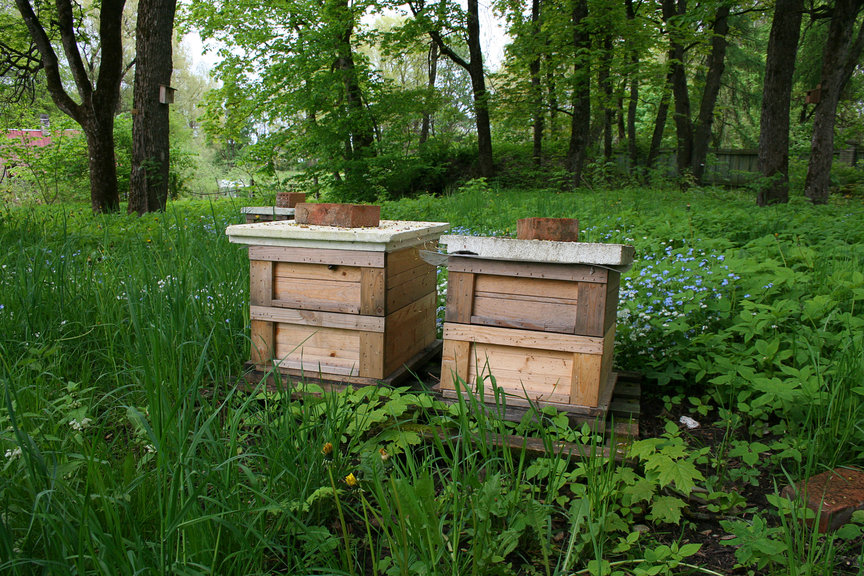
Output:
x,y
619,256
388,236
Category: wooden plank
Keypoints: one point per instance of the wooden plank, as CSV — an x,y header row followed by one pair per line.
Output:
x,y
568,272
372,293
540,375
524,339
263,337
294,378
322,295
260,282
333,348
524,314
409,330
407,275
585,381
333,272
406,259
460,297
399,296
313,367
362,258
591,307
372,355
455,358
612,293
541,289
317,318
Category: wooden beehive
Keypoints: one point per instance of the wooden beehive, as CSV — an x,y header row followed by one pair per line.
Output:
x,y
352,305
538,316
256,214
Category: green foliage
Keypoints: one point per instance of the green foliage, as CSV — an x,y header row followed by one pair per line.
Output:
x,y
122,341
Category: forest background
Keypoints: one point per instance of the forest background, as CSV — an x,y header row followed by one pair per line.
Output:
x,y
368,101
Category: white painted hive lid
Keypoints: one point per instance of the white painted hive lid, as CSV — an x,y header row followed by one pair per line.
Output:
x,y
388,236
618,256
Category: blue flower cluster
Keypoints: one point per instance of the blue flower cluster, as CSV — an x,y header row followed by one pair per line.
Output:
x,y
671,296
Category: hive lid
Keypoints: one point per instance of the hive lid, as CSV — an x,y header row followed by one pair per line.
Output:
x,y
618,256
267,211
388,236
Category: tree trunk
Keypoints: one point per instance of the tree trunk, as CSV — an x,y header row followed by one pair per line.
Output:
x,y
148,190
551,96
536,88
102,164
776,101
95,113
604,79
433,74
841,53
659,124
474,67
481,97
716,66
678,76
581,120
632,149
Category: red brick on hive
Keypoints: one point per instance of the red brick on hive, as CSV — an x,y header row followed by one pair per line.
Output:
x,y
289,199
555,229
341,215
838,493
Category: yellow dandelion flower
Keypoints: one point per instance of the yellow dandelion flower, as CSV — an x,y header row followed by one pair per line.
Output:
x,y
351,480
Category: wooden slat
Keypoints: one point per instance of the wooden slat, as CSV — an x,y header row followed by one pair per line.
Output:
x,y
323,295
455,358
399,296
524,314
539,375
460,297
372,355
585,382
403,260
591,307
612,292
333,272
568,272
360,258
317,318
262,335
260,282
372,293
332,348
523,338
540,289
407,275
409,330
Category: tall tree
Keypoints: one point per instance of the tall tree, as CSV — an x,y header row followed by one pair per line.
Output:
x,y
716,66
673,15
150,126
776,101
580,121
98,96
432,18
840,56
536,87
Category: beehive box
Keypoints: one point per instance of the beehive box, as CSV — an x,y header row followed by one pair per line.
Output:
x,y
539,316
351,305
254,214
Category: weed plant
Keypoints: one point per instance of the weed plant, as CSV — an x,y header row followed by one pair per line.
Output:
x,y
129,447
